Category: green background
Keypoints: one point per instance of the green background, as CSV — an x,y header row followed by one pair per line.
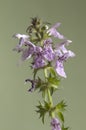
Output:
x,y
16,104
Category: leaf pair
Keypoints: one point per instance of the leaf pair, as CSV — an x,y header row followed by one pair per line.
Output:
x,y
43,109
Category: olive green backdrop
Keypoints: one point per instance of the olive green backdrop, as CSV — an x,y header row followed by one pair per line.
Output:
x,y
16,104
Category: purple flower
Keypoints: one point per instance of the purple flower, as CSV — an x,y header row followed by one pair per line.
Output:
x,y
53,32
48,52
48,41
60,68
33,83
22,38
27,53
38,50
55,124
38,58
38,62
61,49
63,54
30,48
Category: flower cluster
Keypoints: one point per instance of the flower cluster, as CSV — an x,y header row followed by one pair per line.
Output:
x,y
49,57
55,124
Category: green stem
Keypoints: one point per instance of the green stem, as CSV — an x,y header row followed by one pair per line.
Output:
x,y
45,73
49,97
49,94
51,103
48,90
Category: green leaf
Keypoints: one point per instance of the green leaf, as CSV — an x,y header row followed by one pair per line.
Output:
x,y
43,109
64,128
41,85
54,82
61,106
52,90
60,115
51,71
47,105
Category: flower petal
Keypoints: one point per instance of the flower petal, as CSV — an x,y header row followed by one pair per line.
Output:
x,y
21,36
48,52
60,69
71,54
26,54
52,31
38,61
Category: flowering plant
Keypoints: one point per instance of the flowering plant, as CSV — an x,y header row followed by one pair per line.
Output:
x,y
48,57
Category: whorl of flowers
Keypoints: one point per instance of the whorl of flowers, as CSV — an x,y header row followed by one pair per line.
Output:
x,y
50,57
